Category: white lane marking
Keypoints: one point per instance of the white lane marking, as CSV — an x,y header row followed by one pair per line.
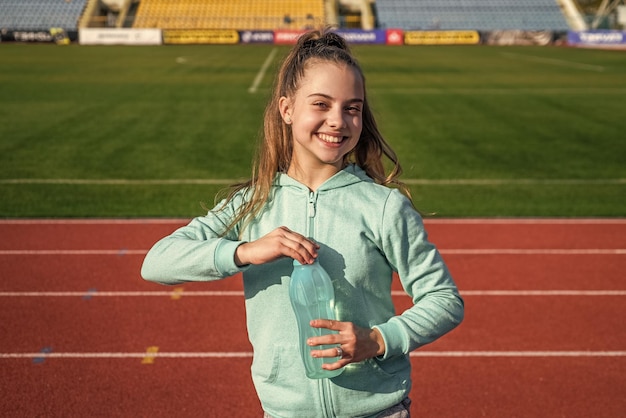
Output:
x,y
433,91
94,293
73,252
554,61
95,221
246,354
427,220
239,293
564,292
533,251
122,182
518,354
526,221
450,251
425,182
126,355
259,77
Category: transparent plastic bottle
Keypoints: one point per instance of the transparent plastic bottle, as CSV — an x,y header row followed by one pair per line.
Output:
x,y
313,297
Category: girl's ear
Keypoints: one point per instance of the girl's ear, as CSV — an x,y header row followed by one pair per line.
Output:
x,y
284,106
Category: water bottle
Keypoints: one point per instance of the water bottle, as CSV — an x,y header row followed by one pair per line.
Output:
x,y
313,297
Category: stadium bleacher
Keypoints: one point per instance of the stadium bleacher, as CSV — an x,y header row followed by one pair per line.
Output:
x,y
40,14
482,15
230,14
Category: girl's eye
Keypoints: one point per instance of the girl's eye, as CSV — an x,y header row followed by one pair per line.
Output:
x,y
349,109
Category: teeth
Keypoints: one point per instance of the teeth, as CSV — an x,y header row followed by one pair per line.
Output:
x,y
330,138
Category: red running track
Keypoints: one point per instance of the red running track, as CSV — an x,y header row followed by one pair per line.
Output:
x,y
81,334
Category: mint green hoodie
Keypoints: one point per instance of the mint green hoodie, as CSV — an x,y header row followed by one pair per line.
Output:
x,y
366,232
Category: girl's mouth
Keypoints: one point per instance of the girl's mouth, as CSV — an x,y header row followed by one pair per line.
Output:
x,y
334,139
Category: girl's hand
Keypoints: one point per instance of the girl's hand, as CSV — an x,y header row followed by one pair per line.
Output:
x,y
356,343
281,242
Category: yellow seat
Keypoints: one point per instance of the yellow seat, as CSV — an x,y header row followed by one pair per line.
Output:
x,y
230,14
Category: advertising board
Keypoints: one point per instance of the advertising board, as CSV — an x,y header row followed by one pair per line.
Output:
x,y
119,36
440,37
363,36
597,38
256,37
200,36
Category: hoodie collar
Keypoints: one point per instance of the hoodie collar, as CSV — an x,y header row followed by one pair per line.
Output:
x,y
349,175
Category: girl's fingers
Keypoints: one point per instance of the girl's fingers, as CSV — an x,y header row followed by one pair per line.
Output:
x,y
281,242
298,246
330,352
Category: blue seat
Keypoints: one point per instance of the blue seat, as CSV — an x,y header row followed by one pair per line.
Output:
x,y
481,15
40,14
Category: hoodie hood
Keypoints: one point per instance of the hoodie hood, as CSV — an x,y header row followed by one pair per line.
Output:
x,y
350,175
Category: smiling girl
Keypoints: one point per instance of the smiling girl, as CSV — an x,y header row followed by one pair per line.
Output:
x,y
319,190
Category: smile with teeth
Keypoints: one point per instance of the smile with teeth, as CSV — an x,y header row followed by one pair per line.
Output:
x,y
335,139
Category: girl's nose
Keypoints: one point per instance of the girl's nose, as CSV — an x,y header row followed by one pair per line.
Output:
x,y
335,119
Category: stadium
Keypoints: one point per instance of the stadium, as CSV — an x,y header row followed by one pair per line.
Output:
x,y
123,119
196,21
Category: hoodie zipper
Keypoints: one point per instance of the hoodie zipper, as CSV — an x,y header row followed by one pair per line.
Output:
x,y
324,384
311,214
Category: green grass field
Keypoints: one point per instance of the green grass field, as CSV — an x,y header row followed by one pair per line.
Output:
x,y
157,131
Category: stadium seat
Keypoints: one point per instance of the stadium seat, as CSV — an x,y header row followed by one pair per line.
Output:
x,y
486,15
230,14
40,14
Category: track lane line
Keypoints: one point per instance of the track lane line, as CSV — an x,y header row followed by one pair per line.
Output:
x,y
427,220
226,182
74,252
515,251
449,251
249,354
239,293
219,293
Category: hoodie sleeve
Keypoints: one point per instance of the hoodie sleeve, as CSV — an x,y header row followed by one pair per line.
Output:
x,y
195,252
437,305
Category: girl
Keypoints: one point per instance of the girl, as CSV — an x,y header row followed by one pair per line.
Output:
x,y
318,190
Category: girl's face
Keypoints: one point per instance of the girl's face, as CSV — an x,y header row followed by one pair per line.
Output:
x,y
325,115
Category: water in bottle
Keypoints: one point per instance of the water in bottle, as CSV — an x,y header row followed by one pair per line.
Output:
x,y
313,297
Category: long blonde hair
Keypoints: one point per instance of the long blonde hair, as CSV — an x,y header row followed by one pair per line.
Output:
x,y
274,150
